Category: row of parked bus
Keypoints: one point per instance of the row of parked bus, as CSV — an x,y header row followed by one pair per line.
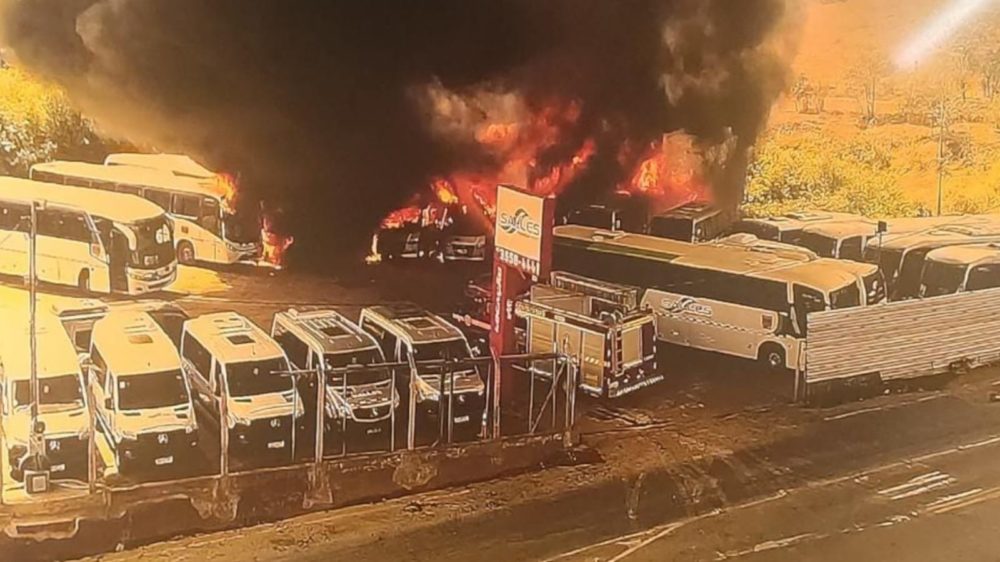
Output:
x,y
171,392
918,257
121,226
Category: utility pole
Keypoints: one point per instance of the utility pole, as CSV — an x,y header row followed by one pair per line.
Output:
x,y
942,123
35,441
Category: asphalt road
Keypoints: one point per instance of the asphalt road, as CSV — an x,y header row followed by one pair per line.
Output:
x,y
943,505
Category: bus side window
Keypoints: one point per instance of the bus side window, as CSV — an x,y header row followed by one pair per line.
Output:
x,y
15,217
198,356
185,206
984,277
159,197
75,227
129,189
851,249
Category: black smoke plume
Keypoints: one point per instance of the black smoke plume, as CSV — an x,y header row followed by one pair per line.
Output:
x,y
321,106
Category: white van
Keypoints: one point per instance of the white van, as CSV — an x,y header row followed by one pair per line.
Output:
x,y
62,402
358,405
142,398
407,332
240,375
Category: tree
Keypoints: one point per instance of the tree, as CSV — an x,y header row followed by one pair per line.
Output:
x,y
867,78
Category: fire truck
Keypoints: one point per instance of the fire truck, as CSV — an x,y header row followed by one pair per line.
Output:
x,y
600,325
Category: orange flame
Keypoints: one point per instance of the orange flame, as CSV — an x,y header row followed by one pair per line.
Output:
x,y
669,173
225,186
274,244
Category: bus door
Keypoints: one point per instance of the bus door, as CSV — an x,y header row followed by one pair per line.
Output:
x,y
118,261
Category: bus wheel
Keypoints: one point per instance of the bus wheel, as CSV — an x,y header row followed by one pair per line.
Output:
x,y
185,253
83,281
772,358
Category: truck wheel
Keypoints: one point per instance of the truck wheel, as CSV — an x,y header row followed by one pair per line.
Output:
x,y
185,253
771,358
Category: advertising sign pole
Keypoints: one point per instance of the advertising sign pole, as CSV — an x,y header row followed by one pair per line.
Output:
x,y
523,255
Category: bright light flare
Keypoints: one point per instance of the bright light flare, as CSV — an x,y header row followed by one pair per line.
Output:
x,y
938,30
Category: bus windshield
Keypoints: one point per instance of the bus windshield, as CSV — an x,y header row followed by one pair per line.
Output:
x,y
153,390
154,243
823,245
63,390
942,278
846,297
251,378
908,281
366,357
241,228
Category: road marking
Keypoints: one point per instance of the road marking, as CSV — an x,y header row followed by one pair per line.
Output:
x,y
919,485
953,498
971,499
770,545
856,476
885,407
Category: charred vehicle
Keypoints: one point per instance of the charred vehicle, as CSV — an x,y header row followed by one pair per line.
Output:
x,y
611,340
359,403
62,404
142,396
241,380
452,395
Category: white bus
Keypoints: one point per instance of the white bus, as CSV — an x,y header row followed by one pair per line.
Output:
x,y
785,227
96,241
848,239
869,275
955,269
726,300
901,257
204,229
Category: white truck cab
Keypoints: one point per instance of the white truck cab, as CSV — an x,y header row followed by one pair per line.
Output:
x,y
62,402
142,396
240,377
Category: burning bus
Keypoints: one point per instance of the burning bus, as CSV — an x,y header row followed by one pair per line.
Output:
x,y
206,228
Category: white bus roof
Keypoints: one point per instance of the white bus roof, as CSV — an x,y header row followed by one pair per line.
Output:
x,y
179,164
56,354
982,231
825,274
131,175
800,219
326,331
414,323
232,338
842,229
118,207
965,254
752,243
132,343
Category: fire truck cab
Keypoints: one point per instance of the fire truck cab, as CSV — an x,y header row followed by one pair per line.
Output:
x,y
408,333
600,325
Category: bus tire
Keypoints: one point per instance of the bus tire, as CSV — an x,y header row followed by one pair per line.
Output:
x,y
771,358
83,281
185,253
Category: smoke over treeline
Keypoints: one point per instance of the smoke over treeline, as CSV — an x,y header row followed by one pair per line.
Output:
x,y
337,111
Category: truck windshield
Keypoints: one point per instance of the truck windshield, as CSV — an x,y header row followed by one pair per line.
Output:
x,y
252,378
63,390
941,278
451,349
154,243
153,390
366,357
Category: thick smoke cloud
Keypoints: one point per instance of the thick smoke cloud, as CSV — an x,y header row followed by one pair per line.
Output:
x,y
322,106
